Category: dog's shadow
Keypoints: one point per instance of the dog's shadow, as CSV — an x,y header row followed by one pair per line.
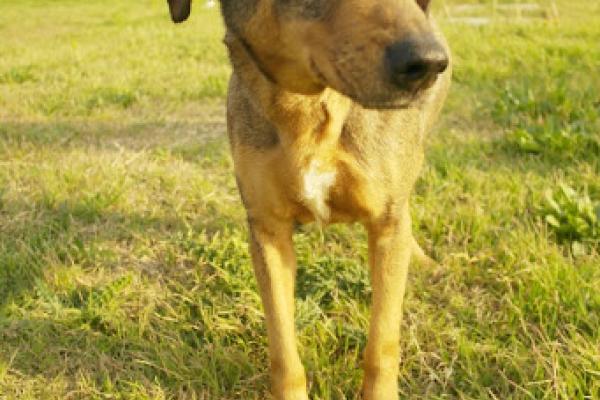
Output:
x,y
97,300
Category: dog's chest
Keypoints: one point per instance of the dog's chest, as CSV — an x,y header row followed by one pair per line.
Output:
x,y
356,180
346,166
339,191
316,182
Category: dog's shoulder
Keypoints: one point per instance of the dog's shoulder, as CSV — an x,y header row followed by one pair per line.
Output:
x,y
247,125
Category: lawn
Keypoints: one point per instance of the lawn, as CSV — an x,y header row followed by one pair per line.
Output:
x,y
124,269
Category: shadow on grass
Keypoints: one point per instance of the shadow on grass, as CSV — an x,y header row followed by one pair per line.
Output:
x,y
56,329
78,333
38,232
184,136
94,360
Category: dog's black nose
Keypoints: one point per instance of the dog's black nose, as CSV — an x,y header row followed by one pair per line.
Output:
x,y
414,61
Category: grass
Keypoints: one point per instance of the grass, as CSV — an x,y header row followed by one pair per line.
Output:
x,y
124,270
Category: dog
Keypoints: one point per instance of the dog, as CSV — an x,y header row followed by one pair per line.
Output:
x,y
328,107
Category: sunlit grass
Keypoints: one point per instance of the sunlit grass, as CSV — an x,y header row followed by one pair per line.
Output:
x,y
124,269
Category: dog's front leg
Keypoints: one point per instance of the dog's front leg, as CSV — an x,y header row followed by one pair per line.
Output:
x,y
390,245
275,268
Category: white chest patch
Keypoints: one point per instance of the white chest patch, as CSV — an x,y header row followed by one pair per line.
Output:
x,y
316,190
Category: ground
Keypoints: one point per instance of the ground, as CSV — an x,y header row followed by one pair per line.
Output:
x,y
124,269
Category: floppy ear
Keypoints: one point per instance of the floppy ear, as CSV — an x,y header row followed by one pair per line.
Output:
x,y
180,9
424,4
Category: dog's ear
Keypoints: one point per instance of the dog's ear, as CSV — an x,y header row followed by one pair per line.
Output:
x,y
180,10
424,4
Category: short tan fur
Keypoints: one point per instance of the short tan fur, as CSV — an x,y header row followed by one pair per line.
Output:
x,y
320,132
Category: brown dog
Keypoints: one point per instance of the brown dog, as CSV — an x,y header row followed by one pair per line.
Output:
x,y
328,107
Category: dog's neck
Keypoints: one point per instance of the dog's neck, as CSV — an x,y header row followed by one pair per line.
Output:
x,y
309,127
309,119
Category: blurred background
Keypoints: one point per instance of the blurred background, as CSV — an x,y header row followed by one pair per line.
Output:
x,y
124,269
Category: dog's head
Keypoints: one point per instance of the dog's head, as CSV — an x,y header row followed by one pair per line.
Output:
x,y
380,53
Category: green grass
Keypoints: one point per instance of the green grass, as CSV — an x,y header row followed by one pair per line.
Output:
x,y
124,270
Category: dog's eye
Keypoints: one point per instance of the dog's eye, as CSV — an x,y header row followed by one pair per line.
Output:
x,y
424,4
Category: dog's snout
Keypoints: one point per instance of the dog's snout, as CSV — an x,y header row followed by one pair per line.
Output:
x,y
413,61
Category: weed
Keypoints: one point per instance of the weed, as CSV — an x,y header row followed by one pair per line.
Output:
x,y
557,121
17,75
573,217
